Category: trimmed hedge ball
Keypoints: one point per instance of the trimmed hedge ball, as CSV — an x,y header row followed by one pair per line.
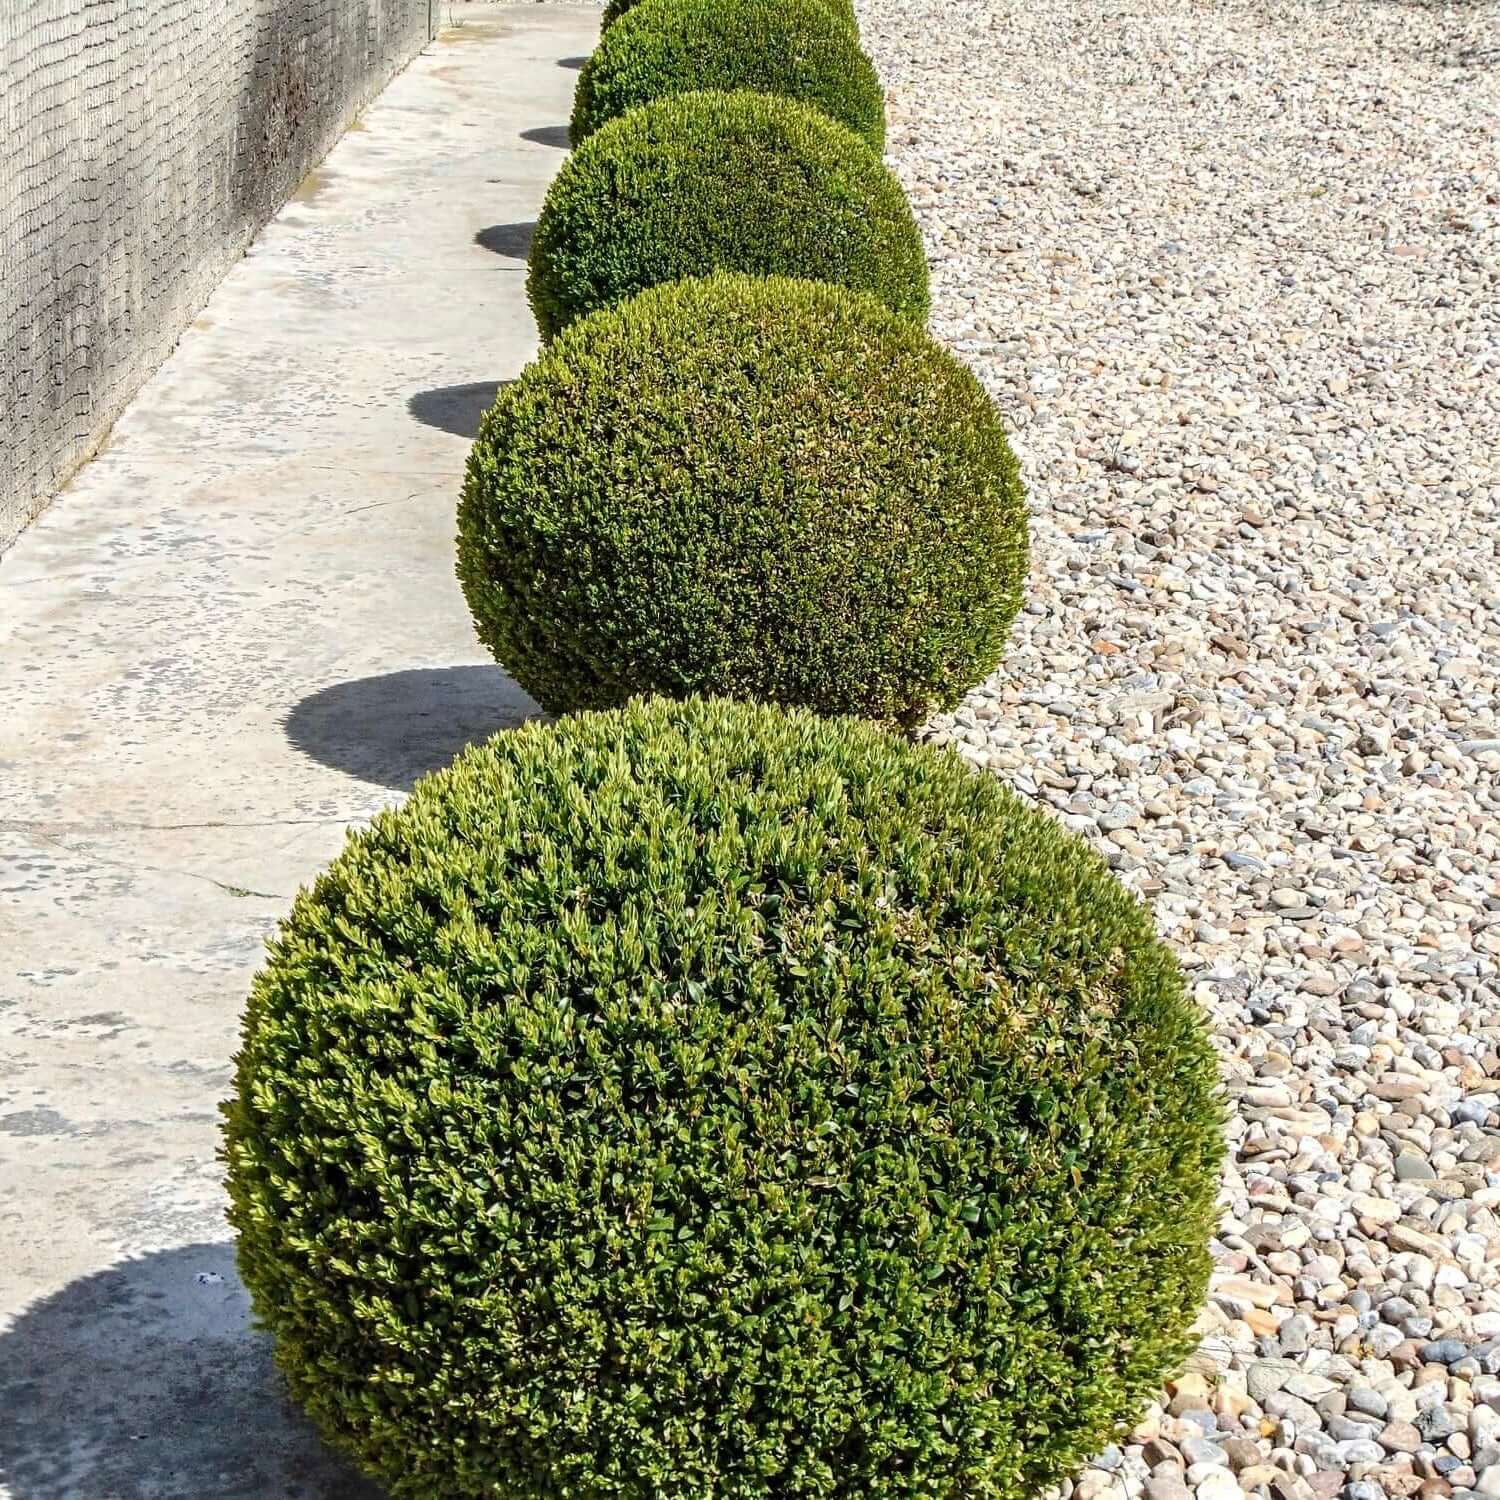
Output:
x,y
748,487
700,182
617,8
709,1099
797,48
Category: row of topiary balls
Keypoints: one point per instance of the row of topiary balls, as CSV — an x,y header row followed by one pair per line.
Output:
x,y
779,488
698,1097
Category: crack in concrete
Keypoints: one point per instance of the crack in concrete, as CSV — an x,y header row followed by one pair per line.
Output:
x,y
234,890
355,510
43,828
120,864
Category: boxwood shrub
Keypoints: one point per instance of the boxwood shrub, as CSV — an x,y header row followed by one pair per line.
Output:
x,y
752,487
799,48
708,1099
699,182
843,8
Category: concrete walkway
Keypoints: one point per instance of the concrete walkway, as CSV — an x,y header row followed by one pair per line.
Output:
x,y
236,633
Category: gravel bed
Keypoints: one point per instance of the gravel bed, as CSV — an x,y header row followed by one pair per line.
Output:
x,y
1233,273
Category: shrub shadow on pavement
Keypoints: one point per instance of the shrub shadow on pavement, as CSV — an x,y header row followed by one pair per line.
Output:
x,y
559,136
147,1382
395,728
455,408
512,240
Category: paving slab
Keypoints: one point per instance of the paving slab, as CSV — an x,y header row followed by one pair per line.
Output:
x,y
234,635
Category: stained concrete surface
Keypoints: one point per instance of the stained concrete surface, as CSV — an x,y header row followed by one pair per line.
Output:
x,y
236,633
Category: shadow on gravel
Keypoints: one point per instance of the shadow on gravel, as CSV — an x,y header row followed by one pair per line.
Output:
x,y
572,62
455,408
147,1382
548,135
513,240
392,729
1473,48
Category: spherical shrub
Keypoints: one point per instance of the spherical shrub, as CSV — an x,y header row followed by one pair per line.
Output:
x,y
695,183
709,1099
798,48
842,8
752,487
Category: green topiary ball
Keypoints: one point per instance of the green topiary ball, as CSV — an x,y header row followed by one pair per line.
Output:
x,y
798,48
709,1099
842,8
695,183
745,486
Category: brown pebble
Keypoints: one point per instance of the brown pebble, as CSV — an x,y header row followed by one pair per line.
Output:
x,y
1400,1437
1160,1451
1242,1454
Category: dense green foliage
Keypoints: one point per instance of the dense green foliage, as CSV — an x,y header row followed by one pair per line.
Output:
x,y
758,488
705,1099
701,182
617,8
798,48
